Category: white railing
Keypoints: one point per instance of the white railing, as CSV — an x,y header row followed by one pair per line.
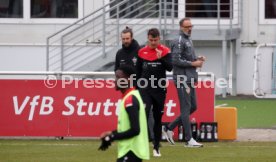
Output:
x,y
98,34
257,90
60,73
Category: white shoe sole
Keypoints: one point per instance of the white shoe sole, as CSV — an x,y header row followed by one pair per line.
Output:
x,y
156,155
167,138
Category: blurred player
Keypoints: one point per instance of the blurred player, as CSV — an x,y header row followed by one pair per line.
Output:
x,y
132,131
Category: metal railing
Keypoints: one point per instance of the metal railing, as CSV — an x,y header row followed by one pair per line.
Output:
x,y
257,88
209,10
82,73
98,34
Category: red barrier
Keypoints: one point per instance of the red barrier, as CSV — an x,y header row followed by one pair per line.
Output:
x,y
29,108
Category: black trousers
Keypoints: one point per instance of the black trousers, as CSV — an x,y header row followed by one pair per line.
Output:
x,y
129,157
155,100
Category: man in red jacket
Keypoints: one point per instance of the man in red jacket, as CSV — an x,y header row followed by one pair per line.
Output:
x,y
153,62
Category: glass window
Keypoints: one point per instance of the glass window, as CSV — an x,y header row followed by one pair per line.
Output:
x,y
54,8
207,8
270,9
170,4
11,8
143,9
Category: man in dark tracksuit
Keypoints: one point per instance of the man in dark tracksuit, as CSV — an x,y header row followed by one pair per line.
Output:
x,y
128,54
153,62
185,76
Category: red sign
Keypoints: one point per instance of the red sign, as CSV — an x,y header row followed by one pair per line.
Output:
x,y
29,108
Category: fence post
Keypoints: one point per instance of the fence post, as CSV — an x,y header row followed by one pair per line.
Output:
x,y
47,55
62,55
118,27
218,17
103,36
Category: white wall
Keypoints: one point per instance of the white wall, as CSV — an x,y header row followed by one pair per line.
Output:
x,y
253,30
252,27
245,67
213,61
27,34
92,5
35,32
22,58
213,54
23,44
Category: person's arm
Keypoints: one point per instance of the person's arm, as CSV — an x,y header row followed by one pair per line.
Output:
x,y
132,109
117,61
176,56
139,68
181,62
167,62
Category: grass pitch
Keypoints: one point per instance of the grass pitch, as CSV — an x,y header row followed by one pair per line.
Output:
x,y
251,114
86,151
256,113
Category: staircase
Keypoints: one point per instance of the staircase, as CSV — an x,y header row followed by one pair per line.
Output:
x,y
90,44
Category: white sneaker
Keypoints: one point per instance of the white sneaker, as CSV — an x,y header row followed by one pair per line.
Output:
x,y
156,153
169,135
193,143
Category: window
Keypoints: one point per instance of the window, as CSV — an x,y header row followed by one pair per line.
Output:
x,y
143,9
207,8
11,8
41,11
267,12
170,5
270,9
54,8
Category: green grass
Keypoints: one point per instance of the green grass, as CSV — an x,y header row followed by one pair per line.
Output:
x,y
86,151
251,114
254,113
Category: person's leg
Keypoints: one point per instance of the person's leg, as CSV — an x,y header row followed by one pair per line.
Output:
x,y
177,121
193,100
158,110
151,124
168,131
185,108
148,103
129,157
174,123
